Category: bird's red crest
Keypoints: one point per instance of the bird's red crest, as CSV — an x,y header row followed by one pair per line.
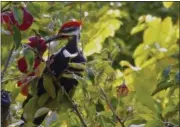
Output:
x,y
71,24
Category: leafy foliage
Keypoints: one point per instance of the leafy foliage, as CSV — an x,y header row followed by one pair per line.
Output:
x,y
130,44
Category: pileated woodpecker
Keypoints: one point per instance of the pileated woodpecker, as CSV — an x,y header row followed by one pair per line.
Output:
x,y
59,64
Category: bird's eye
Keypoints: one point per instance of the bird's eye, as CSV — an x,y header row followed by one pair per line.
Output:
x,y
69,29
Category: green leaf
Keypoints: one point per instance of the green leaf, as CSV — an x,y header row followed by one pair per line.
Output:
x,y
63,116
154,123
30,108
143,91
49,86
33,86
34,8
16,37
167,4
106,114
163,85
60,95
18,14
170,110
43,99
15,93
41,112
29,58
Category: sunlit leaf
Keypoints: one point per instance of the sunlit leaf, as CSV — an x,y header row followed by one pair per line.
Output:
x,y
77,65
41,112
68,75
170,111
105,30
167,4
40,69
15,93
138,28
151,33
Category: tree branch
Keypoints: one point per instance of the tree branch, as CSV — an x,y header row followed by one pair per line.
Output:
x,y
111,107
71,101
7,63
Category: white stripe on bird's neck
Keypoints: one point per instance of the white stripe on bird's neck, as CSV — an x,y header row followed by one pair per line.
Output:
x,y
66,53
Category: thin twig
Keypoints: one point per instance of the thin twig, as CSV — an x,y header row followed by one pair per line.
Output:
x,y
111,107
75,108
7,62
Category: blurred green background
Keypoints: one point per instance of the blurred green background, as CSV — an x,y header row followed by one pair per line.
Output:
x,y
135,42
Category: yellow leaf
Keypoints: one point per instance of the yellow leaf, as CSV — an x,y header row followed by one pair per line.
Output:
x,y
40,69
125,63
167,4
151,34
105,30
78,65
